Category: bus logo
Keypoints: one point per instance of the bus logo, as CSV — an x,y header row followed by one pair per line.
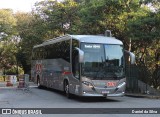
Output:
x,y
111,84
38,67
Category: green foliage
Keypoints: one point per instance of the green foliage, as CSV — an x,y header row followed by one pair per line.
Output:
x,y
7,54
7,23
59,17
13,71
31,33
131,21
144,28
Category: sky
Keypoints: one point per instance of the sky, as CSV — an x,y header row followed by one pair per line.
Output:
x,y
18,5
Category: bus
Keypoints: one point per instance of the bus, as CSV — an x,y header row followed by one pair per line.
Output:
x,y
82,65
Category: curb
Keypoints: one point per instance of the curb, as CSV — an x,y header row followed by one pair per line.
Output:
x,y
143,96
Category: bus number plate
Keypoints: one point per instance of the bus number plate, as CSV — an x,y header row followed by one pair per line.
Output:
x,y
105,92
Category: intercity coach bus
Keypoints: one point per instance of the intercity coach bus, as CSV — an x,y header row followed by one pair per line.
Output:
x,y
83,65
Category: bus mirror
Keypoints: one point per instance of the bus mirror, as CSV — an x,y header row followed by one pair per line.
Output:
x,y
132,57
81,55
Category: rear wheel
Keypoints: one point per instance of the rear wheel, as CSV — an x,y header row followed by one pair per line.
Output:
x,y
38,83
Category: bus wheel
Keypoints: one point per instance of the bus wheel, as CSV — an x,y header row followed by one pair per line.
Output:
x,y
67,90
38,83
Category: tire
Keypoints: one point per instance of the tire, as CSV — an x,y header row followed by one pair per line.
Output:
x,y
38,83
66,89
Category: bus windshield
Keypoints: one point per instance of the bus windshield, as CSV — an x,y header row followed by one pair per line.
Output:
x,y
103,61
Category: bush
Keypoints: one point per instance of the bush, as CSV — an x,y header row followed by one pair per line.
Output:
x,y
13,71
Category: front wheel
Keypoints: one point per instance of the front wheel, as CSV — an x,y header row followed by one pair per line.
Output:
x,y
67,90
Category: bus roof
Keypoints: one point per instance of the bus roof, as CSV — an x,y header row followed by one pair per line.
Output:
x,y
83,38
97,39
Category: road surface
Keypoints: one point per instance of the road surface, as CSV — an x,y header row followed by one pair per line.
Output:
x,y
47,98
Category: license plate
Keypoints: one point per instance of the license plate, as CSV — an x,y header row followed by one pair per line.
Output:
x,y
104,92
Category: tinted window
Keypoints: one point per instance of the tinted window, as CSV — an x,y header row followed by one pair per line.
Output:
x,y
38,53
103,61
58,50
75,60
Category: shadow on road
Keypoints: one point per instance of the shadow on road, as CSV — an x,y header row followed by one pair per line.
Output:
x,y
83,99
94,99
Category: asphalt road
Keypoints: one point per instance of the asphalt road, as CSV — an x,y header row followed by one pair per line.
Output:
x,y
47,98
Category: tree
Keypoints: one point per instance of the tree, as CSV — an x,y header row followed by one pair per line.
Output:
x,y
144,32
7,54
131,21
31,32
8,39
60,16
7,23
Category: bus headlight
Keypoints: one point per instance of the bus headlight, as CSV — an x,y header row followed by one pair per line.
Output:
x,y
121,84
88,84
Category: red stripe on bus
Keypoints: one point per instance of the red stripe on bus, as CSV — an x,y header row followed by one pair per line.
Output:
x,y
66,73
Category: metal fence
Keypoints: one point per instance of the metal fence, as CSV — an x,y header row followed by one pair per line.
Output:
x,y
138,80
132,79
147,89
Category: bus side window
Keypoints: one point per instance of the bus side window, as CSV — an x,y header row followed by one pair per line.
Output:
x,y
75,59
75,64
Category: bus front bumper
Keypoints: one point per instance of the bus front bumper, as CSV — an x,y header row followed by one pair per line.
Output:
x,y
103,95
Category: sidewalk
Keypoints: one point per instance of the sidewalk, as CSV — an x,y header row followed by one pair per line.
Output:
x,y
3,85
138,95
